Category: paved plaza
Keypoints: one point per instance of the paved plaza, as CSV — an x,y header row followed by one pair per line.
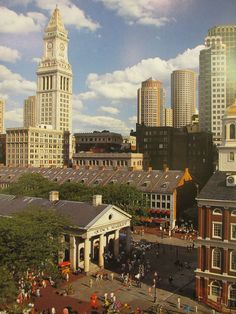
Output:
x,y
170,249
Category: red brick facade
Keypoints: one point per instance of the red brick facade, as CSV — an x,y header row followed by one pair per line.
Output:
x,y
216,270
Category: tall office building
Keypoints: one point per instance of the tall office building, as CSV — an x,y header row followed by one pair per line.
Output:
x,y
54,77
217,79
183,96
2,115
150,103
30,112
168,117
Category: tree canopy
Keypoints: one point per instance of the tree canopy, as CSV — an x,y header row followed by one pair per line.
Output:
x,y
30,240
31,184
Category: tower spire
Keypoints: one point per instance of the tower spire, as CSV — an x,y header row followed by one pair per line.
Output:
x,y
55,22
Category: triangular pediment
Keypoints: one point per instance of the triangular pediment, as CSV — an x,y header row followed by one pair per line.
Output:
x,y
110,216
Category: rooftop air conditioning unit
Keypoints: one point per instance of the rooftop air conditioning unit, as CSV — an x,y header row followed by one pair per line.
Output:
x,y
231,180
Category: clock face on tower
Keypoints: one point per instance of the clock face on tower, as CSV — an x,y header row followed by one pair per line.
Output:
x,y
62,46
49,45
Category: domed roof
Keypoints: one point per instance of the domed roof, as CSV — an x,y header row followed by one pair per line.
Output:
x,y
231,110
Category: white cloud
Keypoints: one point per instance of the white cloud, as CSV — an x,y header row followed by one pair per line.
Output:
x,y
36,60
90,123
133,120
77,103
8,54
72,14
13,83
124,84
111,110
189,59
145,12
14,115
12,22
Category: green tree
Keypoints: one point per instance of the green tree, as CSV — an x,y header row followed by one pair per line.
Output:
x,y
8,290
30,240
75,192
31,184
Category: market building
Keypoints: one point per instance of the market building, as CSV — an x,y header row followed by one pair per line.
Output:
x,y
168,192
94,230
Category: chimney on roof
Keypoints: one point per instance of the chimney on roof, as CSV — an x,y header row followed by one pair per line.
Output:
x,y
53,196
97,200
165,168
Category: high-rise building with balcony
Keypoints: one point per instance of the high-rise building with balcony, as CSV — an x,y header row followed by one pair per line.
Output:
x,y
217,78
150,103
183,96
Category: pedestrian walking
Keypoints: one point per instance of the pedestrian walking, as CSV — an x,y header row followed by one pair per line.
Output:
x,y
90,283
112,276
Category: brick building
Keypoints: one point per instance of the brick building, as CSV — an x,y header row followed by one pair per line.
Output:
x,y
216,270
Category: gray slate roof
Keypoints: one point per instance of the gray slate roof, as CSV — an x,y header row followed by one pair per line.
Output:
x,y
80,214
152,181
216,188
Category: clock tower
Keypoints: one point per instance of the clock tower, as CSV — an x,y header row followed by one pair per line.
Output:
x,y
54,77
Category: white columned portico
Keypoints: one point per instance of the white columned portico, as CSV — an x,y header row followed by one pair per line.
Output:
x,y
101,251
128,240
72,252
87,249
116,243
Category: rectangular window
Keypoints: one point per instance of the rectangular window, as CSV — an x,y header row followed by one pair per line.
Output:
x,y
231,156
217,230
233,231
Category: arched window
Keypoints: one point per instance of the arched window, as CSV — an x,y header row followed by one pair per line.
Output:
x,y
232,295
233,213
217,211
232,131
233,261
215,289
216,258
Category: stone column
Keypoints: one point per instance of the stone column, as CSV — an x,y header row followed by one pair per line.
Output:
x,y
116,243
87,249
128,240
101,251
73,253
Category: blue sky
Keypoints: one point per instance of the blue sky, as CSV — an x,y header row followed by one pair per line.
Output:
x,y
114,46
